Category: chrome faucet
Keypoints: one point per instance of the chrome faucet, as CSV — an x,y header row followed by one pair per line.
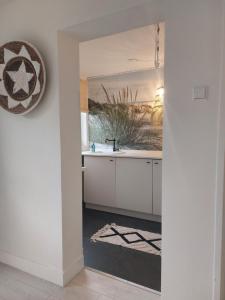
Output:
x,y
114,144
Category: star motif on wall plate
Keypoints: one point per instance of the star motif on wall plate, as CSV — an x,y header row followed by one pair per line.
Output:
x,y
22,77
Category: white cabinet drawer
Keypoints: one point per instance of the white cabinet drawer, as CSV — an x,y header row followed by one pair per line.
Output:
x,y
125,183
99,180
134,184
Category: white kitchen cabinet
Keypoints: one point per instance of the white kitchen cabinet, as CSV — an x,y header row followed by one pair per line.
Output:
x,y
99,180
129,184
157,187
134,184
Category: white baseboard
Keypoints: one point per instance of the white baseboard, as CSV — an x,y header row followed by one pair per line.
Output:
x,y
73,270
124,212
51,274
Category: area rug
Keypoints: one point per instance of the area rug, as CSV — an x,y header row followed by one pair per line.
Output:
x,y
140,240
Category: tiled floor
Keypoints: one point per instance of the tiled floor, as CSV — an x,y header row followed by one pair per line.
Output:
x,y
88,285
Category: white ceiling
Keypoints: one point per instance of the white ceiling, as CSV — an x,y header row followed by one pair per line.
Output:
x,y
128,51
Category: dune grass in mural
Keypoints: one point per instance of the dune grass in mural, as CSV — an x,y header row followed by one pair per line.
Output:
x,y
133,124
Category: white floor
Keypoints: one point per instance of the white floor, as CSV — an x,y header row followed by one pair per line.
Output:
x,y
88,285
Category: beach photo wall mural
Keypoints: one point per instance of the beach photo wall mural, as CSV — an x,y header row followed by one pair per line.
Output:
x,y
128,108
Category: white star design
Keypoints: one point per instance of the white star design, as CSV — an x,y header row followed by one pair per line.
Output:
x,y
21,79
8,55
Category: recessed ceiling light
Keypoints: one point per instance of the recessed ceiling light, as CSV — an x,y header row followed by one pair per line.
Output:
x,y
133,59
139,60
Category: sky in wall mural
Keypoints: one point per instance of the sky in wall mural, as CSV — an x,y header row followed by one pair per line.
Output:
x,y
124,107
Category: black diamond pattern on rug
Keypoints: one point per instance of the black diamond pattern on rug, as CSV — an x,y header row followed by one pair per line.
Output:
x,y
136,239
139,238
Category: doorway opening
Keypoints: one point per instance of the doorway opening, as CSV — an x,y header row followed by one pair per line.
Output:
x,y
121,100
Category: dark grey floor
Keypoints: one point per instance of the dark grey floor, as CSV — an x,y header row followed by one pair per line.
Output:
x,y
136,266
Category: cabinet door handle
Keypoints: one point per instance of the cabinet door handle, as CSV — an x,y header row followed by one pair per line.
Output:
x,y
148,162
156,163
111,160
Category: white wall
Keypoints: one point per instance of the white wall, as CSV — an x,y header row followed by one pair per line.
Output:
x,y
30,152
221,293
219,267
31,198
70,132
193,44
30,172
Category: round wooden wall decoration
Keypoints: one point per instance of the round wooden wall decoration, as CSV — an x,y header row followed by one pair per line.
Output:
x,y
22,77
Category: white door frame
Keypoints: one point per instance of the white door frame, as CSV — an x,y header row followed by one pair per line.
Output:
x,y
143,16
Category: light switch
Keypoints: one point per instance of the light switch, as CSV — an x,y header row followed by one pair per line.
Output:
x,y
199,93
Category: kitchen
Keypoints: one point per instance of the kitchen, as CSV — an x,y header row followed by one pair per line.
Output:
x,y
121,123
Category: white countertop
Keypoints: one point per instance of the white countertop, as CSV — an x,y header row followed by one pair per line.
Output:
x,y
126,153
